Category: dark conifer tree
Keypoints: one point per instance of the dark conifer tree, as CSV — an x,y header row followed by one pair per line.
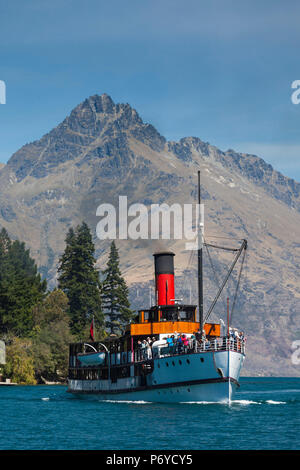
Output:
x,y
21,287
79,279
115,303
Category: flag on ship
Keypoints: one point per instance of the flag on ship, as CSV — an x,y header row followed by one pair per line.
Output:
x,y
92,330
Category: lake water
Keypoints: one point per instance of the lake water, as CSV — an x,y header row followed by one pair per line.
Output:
x,y
264,415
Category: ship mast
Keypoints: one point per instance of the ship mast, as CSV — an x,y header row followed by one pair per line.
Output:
x,y
200,259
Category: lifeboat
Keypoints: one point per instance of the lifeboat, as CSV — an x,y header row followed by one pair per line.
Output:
x,y
92,358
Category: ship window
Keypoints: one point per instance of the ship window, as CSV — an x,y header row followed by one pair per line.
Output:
x,y
153,315
173,363
169,314
158,365
187,314
180,362
201,359
167,364
188,361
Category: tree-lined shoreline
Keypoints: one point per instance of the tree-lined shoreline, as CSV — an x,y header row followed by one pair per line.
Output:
x,y
37,325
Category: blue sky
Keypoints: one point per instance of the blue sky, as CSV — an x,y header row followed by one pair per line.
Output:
x,y
220,70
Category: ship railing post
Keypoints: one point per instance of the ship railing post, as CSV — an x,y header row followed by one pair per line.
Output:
x,y
108,359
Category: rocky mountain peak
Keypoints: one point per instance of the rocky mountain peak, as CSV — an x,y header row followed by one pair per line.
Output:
x,y
101,110
102,103
94,128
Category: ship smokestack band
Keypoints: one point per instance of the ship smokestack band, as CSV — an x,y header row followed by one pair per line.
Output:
x,y
164,278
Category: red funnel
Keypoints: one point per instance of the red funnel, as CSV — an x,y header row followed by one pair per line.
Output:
x,y
164,278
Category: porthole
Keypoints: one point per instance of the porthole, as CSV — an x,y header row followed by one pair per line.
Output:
x,y
201,359
173,363
188,390
158,365
188,361
167,364
180,362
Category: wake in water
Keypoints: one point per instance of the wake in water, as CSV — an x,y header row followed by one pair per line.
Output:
x,y
225,402
269,392
235,402
136,402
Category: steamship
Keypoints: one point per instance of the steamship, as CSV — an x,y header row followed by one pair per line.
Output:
x,y
204,363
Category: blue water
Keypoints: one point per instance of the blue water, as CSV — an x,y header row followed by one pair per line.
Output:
x,y
264,415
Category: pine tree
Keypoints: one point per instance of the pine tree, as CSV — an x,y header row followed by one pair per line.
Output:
x,y
79,279
21,287
115,301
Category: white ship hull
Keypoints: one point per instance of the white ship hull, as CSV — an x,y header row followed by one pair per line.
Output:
x,y
210,376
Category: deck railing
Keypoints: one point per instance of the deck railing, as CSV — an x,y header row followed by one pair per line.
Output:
x,y
222,343
217,344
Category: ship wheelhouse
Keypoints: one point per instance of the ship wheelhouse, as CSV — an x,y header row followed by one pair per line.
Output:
x,y
167,320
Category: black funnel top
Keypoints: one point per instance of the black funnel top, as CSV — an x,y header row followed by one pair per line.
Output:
x,y
164,262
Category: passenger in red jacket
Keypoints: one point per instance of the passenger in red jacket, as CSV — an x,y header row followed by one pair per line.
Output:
x,y
185,342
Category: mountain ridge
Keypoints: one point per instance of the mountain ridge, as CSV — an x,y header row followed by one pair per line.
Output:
x,y
83,126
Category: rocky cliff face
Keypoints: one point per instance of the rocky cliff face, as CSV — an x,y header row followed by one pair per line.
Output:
x,y
103,150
